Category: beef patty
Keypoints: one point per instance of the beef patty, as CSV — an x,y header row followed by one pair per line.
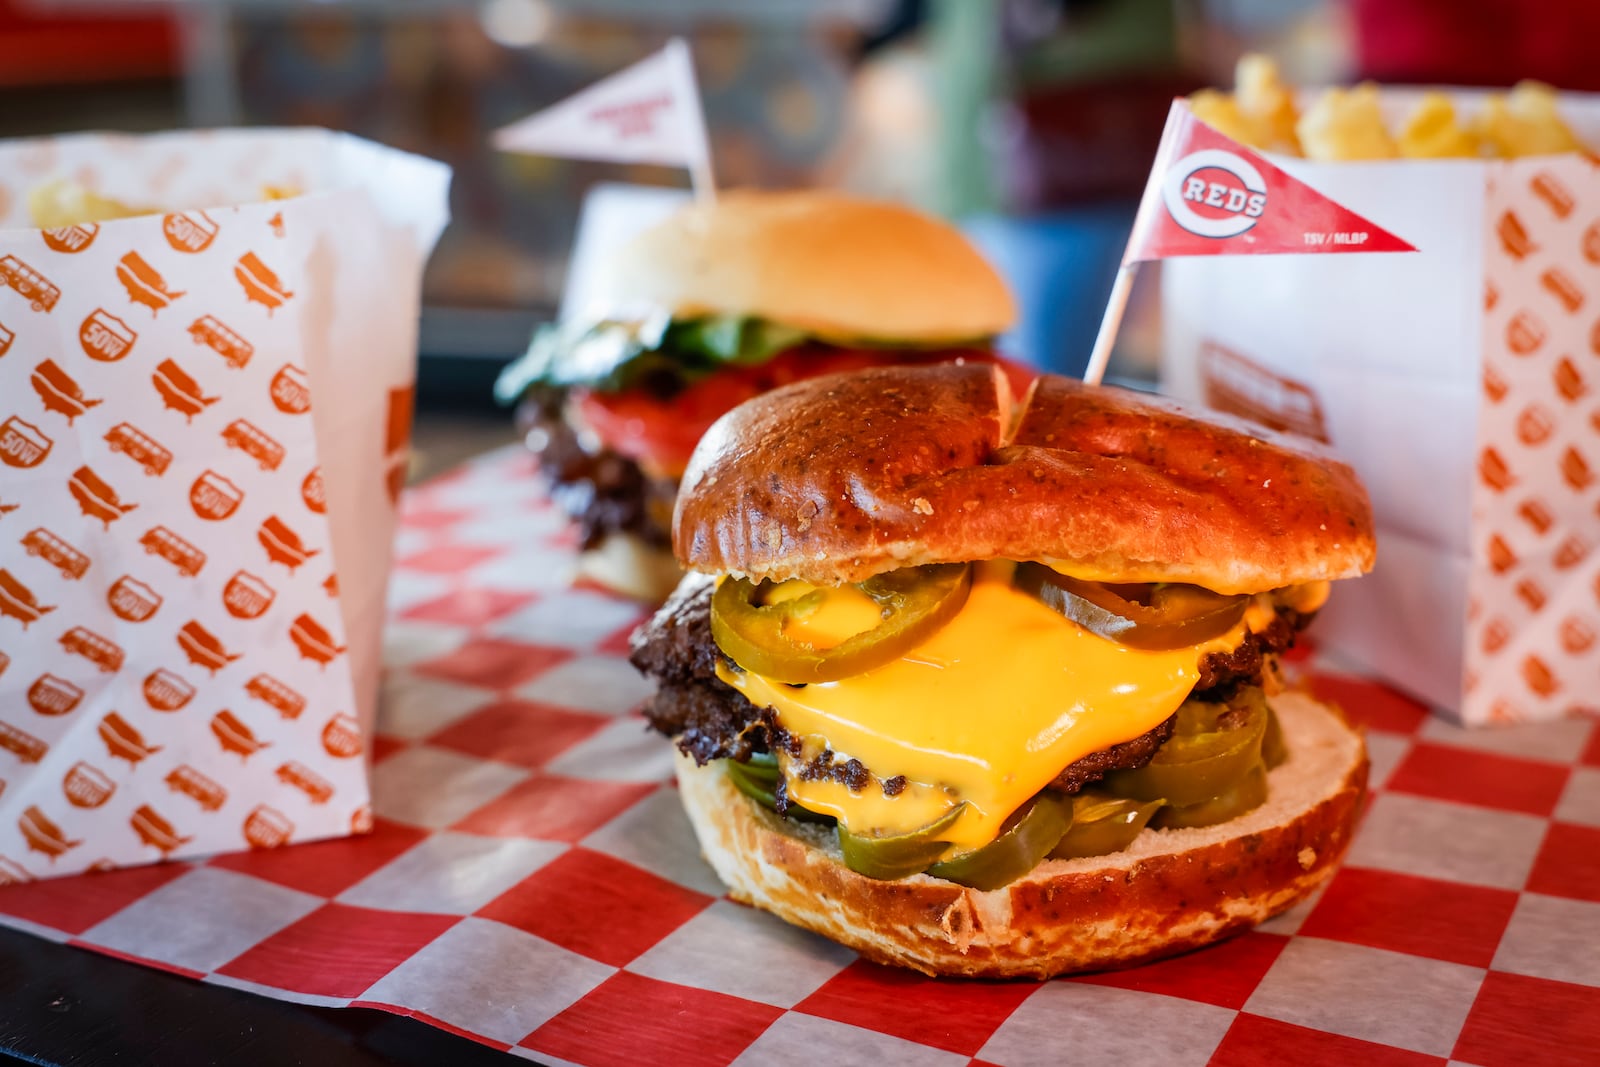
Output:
x,y
712,720
603,492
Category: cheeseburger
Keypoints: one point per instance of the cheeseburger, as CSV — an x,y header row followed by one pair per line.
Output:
x,y
718,304
983,684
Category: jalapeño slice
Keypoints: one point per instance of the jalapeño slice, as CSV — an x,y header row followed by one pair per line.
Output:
x,y
1246,794
1103,824
914,603
1152,617
898,855
1015,852
1204,758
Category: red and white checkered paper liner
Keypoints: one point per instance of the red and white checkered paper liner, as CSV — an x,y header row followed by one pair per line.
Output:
x,y
532,882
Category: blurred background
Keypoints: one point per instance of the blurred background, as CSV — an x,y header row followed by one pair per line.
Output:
x,y
1031,122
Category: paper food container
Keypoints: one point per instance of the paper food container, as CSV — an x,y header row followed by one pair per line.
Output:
x,y
193,542
1463,383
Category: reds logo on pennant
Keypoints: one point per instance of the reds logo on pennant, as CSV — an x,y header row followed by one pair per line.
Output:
x,y
1209,195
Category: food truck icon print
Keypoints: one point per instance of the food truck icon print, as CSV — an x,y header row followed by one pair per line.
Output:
x,y
165,691
19,602
49,695
105,654
241,434
283,545
124,742
203,648
144,283
156,832
5,661
7,337
71,239
196,786
139,447
104,337
160,541
213,497
267,827
189,231
261,285
234,736
59,392
21,744
44,836
22,444
317,788
314,642
131,600
95,498
313,493
13,873
87,786
179,392
290,391
235,350
40,292
341,737
274,694
43,544
246,596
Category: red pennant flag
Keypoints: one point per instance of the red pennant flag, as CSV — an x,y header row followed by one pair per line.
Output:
x,y
1209,195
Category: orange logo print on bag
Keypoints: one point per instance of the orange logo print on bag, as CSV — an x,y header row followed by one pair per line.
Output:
x,y
140,447
49,695
235,350
398,439
303,778
59,392
203,648
124,742
313,641
21,744
104,337
1524,333
160,541
131,600
19,602
1577,636
1513,237
40,292
105,654
6,338
202,790
283,545
156,832
213,497
1531,594
179,392
1563,288
276,695
361,820
244,436
330,585
5,661
246,596
45,545
266,827
261,285
291,394
235,736
276,222
189,231
1539,677
22,444
1493,470
1571,552
1501,558
165,691
144,283
1494,386
313,492
1575,469
43,835
1491,296
1569,381
1535,514
341,737
71,239
1495,636
1552,192
13,873
86,786
95,498
1534,425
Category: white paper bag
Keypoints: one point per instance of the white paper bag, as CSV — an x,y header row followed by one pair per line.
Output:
x,y
203,420
1460,382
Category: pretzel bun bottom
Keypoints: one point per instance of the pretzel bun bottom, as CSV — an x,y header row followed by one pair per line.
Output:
x,y
1169,892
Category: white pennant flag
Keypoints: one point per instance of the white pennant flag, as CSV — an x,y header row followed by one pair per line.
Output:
x,y
648,113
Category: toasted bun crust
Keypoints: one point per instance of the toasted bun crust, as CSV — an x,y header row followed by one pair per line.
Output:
x,y
837,266
838,478
1169,892
631,567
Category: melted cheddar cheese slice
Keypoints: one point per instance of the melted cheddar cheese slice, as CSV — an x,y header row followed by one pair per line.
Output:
x,y
988,710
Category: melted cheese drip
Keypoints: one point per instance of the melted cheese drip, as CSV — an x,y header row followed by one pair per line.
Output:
x,y
987,710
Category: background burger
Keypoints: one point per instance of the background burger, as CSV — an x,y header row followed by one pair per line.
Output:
x,y
978,684
719,304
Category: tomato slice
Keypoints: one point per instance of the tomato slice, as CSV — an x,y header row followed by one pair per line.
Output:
x,y
661,434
